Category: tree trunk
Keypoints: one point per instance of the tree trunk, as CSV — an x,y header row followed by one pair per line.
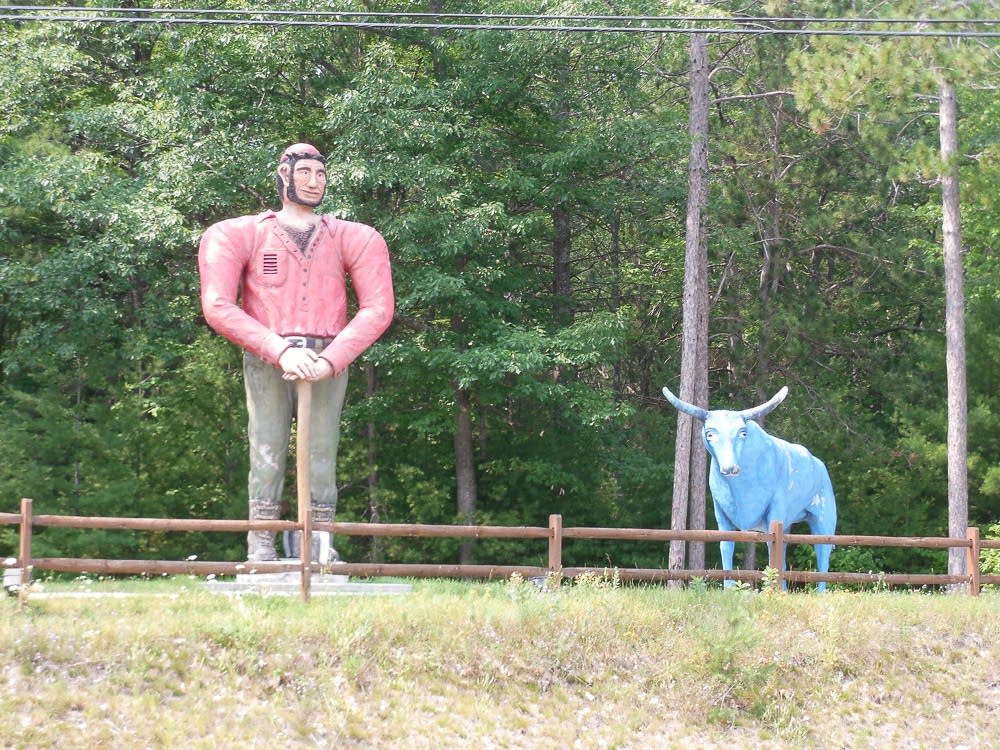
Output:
x,y
690,478
466,483
562,288
616,294
437,6
954,295
466,480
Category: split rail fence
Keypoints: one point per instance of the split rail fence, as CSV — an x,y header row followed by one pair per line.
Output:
x,y
555,534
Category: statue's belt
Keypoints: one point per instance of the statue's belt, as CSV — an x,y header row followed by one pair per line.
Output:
x,y
308,342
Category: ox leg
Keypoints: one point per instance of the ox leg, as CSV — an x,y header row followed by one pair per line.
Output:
x,y
823,562
784,566
824,523
727,549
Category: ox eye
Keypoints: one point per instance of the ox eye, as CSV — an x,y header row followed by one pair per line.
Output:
x,y
710,434
743,434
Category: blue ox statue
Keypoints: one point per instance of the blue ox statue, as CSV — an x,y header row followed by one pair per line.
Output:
x,y
757,478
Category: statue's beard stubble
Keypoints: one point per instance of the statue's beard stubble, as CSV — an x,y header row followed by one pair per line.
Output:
x,y
294,197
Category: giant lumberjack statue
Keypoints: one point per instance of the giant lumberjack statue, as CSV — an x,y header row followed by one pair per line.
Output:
x,y
288,269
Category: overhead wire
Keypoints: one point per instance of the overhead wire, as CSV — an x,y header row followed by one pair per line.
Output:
x,y
560,23
503,16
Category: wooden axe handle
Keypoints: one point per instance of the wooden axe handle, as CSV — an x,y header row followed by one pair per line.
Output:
x,y
303,481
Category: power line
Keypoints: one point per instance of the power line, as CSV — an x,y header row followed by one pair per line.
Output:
x,y
372,20
497,16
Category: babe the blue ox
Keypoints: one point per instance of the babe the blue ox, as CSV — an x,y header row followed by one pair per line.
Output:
x,y
757,478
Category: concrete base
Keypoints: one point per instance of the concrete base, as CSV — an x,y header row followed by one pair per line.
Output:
x,y
291,577
316,588
289,583
11,580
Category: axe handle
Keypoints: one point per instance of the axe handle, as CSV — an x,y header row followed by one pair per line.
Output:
x,y
303,421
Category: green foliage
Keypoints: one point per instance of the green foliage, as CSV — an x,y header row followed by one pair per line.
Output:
x,y
989,559
467,150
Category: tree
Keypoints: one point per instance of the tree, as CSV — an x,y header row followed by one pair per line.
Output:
x,y
954,292
118,148
532,188
943,66
494,176
690,477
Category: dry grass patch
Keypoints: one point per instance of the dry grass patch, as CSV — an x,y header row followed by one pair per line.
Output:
x,y
501,665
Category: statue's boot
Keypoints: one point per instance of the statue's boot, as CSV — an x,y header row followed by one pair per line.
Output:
x,y
324,512
260,544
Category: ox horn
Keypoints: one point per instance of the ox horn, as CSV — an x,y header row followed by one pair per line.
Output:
x,y
760,411
695,411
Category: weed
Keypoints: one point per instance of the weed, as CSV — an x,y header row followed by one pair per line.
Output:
x,y
518,589
698,585
591,579
879,585
770,581
990,558
739,668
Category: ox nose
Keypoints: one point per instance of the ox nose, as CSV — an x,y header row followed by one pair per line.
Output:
x,y
731,471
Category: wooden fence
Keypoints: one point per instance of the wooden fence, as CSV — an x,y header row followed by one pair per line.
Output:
x,y
555,534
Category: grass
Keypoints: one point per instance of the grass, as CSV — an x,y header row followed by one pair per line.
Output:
x,y
499,665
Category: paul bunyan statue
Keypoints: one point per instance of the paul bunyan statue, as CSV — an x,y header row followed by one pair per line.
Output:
x,y
275,284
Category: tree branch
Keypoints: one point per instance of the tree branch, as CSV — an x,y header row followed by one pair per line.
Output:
x,y
762,95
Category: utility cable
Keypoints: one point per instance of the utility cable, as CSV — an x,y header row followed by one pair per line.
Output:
x,y
756,25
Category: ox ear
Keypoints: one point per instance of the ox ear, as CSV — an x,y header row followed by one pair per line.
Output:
x,y
695,411
760,411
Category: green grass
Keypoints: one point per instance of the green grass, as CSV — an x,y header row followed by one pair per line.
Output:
x,y
501,665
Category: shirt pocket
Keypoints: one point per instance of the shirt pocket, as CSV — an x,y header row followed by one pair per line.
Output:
x,y
270,266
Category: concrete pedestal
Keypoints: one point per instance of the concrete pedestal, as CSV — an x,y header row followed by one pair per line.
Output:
x,y
289,583
11,580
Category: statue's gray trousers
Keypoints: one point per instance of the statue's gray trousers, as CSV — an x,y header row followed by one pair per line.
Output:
x,y
271,405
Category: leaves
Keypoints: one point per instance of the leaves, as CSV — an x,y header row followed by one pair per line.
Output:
x,y
465,149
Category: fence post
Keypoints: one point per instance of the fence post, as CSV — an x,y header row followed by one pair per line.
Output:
x,y
972,560
776,553
555,542
25,552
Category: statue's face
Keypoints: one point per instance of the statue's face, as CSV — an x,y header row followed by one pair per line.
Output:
x,y
305,183
725,433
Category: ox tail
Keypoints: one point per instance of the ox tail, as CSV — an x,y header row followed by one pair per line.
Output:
x,y
760,411
695,411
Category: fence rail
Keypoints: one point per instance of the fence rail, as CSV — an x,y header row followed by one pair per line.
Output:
x,y
555,534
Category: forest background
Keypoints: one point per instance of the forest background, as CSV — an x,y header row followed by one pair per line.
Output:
x,y
532,190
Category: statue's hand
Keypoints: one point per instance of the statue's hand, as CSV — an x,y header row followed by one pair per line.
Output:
x,y
299,363
324,369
